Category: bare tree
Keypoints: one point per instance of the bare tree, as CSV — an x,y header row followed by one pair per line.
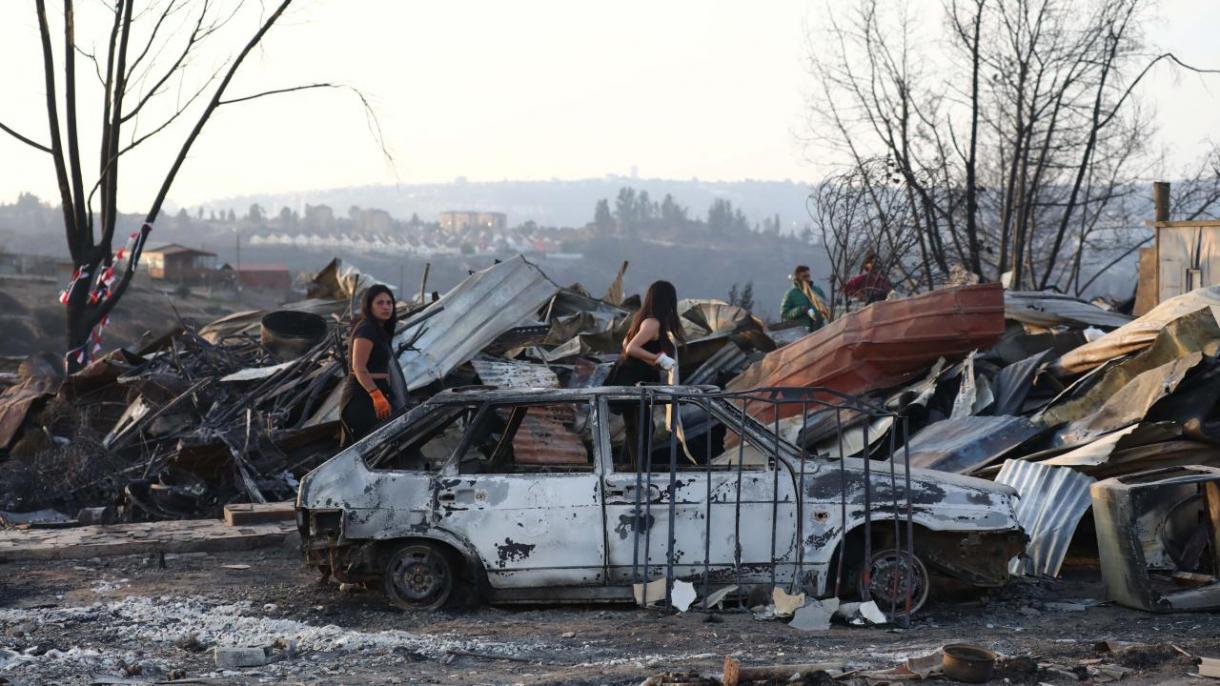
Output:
x,y
865,210
145,61
1019,146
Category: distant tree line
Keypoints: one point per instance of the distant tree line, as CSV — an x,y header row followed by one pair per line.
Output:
x,y
635,213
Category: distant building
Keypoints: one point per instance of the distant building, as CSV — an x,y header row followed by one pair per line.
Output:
x,y
459,221
319,218
178,263
268,277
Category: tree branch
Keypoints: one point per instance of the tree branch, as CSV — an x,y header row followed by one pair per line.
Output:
x,y
105,306
169,7
107,102
111,187
277,91
23,139
1131,87
140,139
197,34
78,183
61,171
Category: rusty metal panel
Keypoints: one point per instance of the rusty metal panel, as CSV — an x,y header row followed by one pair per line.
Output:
x,y
544,436
884,344
474,313
548,435
1053,500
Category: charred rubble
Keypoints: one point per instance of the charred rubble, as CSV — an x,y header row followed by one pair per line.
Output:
x,y
1073,404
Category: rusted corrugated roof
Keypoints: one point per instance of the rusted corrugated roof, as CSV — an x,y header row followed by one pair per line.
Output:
x,y
548,433
1053,499
884,344
476,311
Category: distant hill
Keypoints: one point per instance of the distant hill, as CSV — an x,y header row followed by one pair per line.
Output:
x,y
549,203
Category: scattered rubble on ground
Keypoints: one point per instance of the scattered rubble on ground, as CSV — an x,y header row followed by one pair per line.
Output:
x,y
1080,409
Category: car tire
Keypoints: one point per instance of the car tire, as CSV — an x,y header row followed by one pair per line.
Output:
x,y
886,570
419,576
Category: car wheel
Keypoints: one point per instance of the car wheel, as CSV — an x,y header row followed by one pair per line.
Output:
x,y
419,576
891,575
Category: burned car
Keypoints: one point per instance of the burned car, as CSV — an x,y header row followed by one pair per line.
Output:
x,y
534,495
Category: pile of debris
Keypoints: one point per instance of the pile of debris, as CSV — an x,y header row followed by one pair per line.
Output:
x,y
1051,395
192,420
239,409
1075,406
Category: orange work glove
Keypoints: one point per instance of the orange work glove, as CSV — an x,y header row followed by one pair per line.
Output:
x,y
381,406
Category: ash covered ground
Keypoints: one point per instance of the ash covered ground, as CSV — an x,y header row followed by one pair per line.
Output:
x,y
81,622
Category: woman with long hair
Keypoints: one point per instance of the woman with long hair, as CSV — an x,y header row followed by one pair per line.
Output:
x,y
648,350
373,388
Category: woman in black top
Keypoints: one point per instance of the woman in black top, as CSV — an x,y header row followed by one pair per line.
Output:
x,y
366,397
648,350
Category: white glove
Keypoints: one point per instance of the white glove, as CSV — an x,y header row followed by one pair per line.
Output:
x,y
665,362
813,314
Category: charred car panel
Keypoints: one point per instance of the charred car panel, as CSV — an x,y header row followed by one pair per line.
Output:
x,y
589,530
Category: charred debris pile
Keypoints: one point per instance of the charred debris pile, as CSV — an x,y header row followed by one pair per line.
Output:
x,y
1076,406
240,408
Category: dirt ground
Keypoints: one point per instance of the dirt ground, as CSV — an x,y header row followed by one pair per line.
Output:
x,y
73,622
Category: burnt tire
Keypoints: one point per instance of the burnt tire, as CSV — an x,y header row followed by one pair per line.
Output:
x,y
891,574
419,576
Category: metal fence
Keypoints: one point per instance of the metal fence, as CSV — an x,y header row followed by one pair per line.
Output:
x,y
754,409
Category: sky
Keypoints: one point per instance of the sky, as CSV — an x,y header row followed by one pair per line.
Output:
x,y
529,89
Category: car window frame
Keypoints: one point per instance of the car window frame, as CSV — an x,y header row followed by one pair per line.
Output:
x,y
720,414
452,466
391,436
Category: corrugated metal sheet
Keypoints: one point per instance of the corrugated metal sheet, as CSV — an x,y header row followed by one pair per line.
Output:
x,y
1140,333
1014,382
1053,499
1130,403
548,433
729,358
884,344
1192,332
969,443
515,374
476,311
1055,309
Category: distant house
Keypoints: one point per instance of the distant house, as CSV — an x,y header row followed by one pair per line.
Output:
x,y
269,277
178,263
459,221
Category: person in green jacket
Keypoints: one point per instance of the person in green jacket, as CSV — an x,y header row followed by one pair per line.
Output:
x,y
804,302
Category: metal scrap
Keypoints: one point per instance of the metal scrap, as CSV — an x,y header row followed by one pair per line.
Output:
x,y
968,444
1053,501
1149,521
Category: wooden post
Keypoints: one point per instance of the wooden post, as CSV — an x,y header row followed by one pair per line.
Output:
x,y
1160,195
423,284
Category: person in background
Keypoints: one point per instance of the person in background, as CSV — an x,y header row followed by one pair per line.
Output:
x,y
368,395
870,285
804,302
648,351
